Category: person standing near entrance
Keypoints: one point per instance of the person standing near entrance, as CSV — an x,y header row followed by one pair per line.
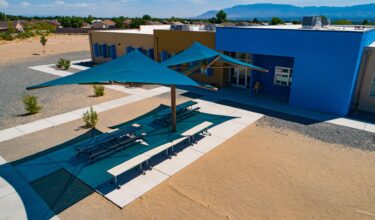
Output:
x,y
257,88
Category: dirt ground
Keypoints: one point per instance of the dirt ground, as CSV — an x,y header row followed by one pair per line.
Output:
x,y
261,173
11,51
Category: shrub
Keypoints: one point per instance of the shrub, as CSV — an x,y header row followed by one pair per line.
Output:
x,y
63,64
90,118
6,36
31,104
98,90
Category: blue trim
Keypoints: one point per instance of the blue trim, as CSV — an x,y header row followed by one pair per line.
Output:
x,y
96,50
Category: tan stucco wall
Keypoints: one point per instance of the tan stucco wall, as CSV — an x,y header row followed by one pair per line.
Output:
x,y
174,42
366,76
121,40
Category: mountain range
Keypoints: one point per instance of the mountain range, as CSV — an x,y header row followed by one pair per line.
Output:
x,y
268,10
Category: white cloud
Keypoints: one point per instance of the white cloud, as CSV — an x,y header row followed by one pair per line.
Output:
x,y
25,4
3,3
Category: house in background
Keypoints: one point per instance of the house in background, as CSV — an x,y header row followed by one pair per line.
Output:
x,y
104,24
17,25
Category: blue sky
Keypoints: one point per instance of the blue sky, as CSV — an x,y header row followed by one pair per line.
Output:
x,y
131,8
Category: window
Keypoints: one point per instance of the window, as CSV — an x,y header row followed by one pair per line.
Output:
x,y
372,92
283,76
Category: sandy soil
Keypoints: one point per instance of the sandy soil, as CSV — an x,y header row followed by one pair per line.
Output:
x,y
261,173
11,51
75,98
34,143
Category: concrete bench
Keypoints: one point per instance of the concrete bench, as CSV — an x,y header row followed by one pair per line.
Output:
x,y
203,127
128,165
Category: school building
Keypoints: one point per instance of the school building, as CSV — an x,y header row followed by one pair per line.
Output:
x,y
329,69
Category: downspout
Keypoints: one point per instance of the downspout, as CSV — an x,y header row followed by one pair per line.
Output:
x,y
368,54
91,45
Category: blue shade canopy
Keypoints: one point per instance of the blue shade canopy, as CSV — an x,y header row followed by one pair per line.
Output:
x,y
132,68
199,52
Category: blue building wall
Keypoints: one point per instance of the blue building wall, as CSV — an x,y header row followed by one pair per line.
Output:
x,y
267,79
326,63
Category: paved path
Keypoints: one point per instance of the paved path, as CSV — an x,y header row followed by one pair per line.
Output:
x,y
239,96
137,94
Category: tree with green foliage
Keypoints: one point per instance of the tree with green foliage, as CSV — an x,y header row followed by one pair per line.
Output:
x,y
221,17
3,16
11,28
43,41
296,22
136,22
147,17
255,21
366,22
342,22
119,22
276,21
90,118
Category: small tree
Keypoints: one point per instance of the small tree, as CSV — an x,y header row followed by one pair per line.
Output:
x,y
276,21
98,90
221,17
43,41
31,104
11,28
90,118
147,17
365,22
255,21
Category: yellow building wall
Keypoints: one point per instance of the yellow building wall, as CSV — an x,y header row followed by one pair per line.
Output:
x,y
173,42
121,40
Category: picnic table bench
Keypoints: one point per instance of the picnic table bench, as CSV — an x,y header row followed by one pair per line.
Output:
x,y
183,110
201,128
128,165
142,158
108,142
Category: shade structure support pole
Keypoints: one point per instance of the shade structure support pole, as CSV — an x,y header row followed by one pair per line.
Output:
x,y
173,106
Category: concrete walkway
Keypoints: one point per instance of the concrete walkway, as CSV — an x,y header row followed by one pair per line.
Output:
x,y
141,184
242,96
137,94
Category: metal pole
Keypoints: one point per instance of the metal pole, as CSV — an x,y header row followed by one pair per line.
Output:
x,y
173,106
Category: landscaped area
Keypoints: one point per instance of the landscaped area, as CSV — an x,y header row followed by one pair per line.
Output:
x,y
233,155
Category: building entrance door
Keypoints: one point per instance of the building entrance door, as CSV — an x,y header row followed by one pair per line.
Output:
x,y
240,77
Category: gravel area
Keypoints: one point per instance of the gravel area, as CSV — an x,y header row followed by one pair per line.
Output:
x,y
324,131
15,77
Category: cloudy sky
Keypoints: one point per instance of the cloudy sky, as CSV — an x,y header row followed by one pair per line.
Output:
x,y
131,8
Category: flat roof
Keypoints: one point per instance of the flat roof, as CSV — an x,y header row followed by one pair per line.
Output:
x,y
143,29
355,28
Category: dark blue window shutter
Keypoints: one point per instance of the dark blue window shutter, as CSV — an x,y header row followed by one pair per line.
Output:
x,y
104,50
129,49
113,52
151,53
164,55
96,50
